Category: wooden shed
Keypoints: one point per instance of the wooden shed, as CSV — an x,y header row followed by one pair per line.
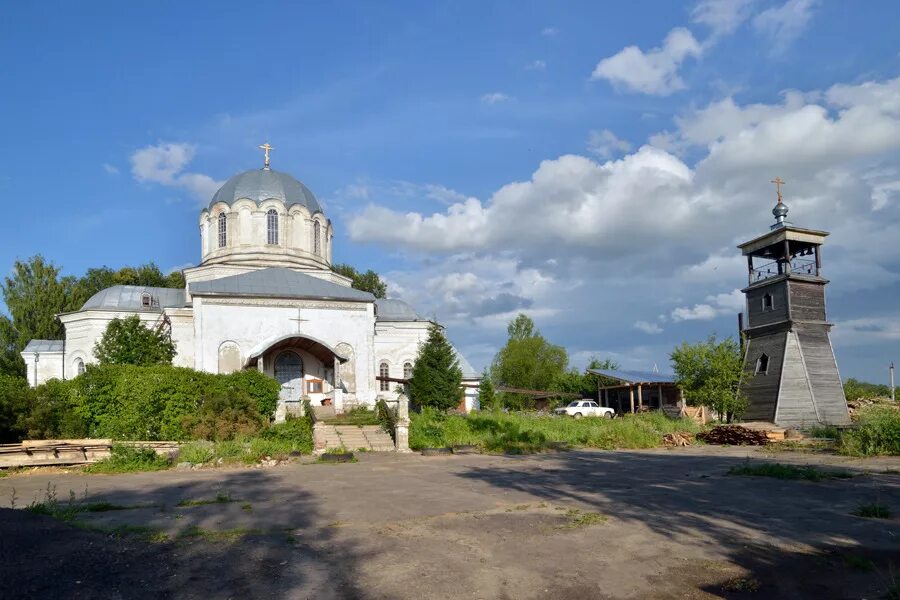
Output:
x,y
636,391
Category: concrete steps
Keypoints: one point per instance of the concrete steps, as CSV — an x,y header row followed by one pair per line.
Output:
x,y
371,438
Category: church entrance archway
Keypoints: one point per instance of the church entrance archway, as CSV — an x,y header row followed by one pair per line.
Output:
x,y
289,373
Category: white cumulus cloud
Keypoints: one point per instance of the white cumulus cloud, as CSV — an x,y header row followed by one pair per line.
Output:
x,y
653,72
605,144
164,164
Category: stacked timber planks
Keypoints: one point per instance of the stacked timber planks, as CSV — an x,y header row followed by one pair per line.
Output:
x,y
38,453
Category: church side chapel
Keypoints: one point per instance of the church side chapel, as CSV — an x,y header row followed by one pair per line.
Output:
x,y
263,297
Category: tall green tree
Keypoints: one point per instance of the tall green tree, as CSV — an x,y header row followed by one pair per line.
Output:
x,y
367,282
436,378
709,372
100,278
34,294
487,397
128,342
528,361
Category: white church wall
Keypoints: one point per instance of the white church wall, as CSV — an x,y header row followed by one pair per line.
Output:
x,y
43,367
397,342
251,323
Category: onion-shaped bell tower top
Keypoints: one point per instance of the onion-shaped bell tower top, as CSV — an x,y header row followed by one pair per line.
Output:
x,y
781,209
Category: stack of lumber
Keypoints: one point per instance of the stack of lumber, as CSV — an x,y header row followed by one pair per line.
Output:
x,y
38,453
678,439
733,435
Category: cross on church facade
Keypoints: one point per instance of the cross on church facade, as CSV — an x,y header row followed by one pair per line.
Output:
x,y
777,181
299,319
265,148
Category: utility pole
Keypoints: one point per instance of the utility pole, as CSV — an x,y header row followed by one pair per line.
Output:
x,y
893,399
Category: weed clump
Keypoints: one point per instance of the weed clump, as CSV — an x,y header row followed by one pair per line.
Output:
x,y
130,459
780,471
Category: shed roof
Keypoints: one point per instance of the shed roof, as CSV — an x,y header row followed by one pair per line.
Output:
x,y
278,282
38,346
635,377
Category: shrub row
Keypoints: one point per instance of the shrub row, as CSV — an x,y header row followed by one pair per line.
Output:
x,y
127,402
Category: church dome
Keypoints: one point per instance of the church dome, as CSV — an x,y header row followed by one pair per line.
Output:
x,y
262,184
389,309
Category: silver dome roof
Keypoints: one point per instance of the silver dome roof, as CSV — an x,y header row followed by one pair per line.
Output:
x,y
389,309
262,184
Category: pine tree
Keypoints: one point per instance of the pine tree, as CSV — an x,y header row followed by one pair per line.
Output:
x,y
436,379
487,398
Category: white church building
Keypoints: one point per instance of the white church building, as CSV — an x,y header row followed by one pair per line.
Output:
x,y
263,297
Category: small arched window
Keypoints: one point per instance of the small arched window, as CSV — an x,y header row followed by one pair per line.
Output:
x,y
762,364
407,370
317,238
768,302
272,226
79,367
223,230
384,371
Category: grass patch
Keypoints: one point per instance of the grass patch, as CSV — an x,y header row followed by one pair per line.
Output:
x,y
130,459
148,534
741,584
246,507
877,433
221,498
873,510
859,563
3,474
780,471
278,441
211,535
825,431
578,519
522,432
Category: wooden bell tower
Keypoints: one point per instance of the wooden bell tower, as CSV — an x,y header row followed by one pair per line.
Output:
x,y
790,374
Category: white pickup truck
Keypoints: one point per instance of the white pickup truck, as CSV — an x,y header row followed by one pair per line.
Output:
x,y
585,408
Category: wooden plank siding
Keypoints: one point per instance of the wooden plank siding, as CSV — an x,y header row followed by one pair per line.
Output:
x,y
825,379
762,390
807,301
796,405
756,316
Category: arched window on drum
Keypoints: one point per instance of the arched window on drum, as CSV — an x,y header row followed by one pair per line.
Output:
x,y
272,227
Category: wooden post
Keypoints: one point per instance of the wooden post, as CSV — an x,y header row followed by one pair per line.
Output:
x,y
818,260
659,391
681,400
631,397
787,256
749,269
640,399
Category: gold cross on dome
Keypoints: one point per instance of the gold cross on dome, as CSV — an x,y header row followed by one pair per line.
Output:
x,y
265,148
777,181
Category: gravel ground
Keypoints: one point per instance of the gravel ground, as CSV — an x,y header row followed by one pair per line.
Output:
x,y
636,524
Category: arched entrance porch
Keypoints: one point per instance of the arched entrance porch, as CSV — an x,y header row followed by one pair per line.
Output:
x,y
305,367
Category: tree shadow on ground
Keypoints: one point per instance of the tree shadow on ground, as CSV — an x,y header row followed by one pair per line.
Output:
x,y
224,549
795,539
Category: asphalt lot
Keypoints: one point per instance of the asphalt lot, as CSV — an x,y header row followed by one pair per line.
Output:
x,y
583,524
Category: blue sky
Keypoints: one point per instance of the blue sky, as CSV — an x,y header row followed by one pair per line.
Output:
x,y
591,164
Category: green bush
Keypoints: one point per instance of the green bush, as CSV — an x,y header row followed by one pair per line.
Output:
x,y
162,402
127,459
14,400
262,388
224,417
855,389
51,414
877,433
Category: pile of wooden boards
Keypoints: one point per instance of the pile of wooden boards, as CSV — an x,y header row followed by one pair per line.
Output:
x,y
733,435
37,453
678,439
